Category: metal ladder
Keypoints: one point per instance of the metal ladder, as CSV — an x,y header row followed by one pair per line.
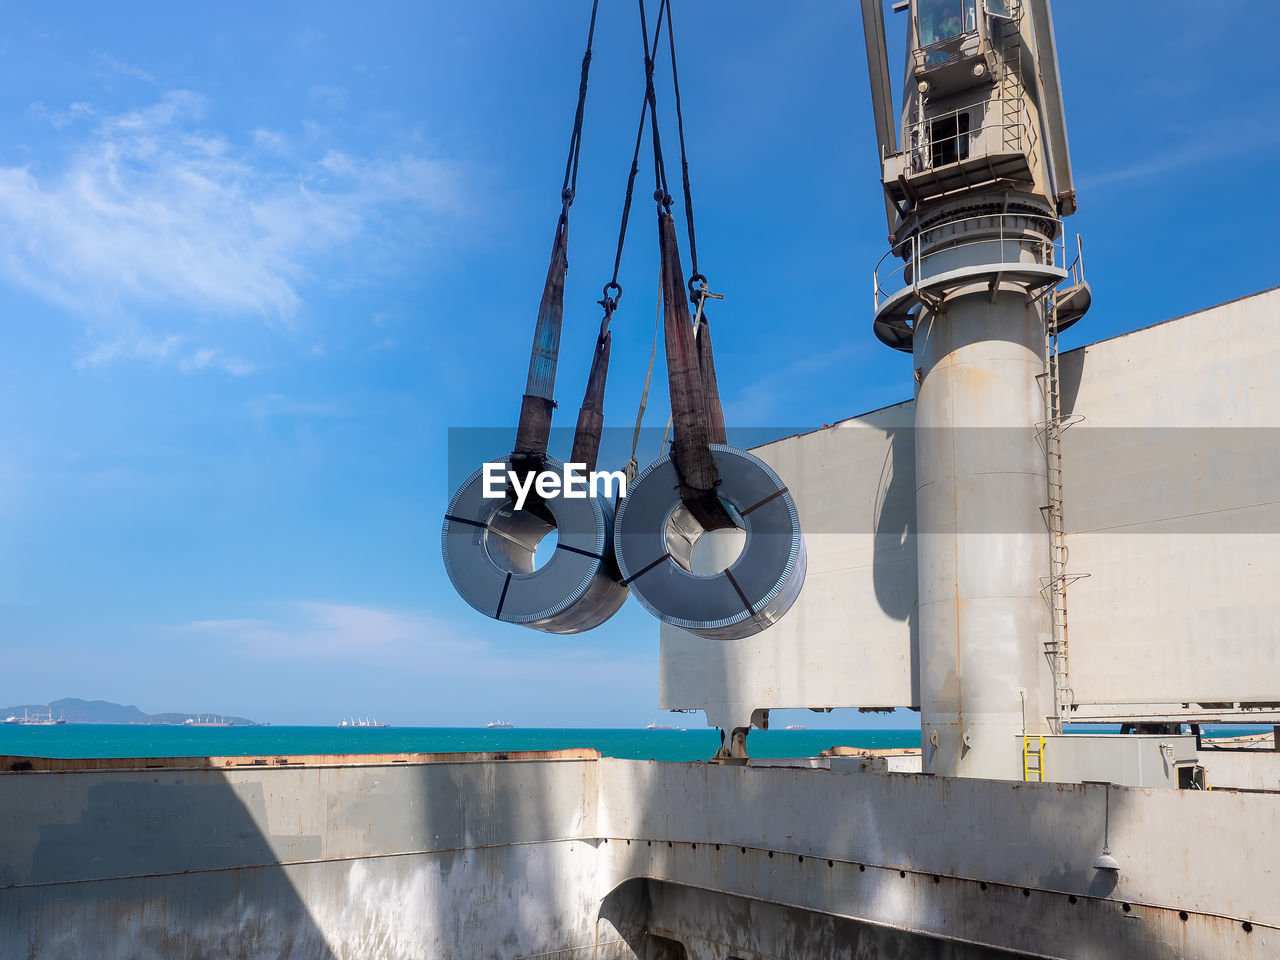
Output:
x,y
1033,759
1010,89
1055,585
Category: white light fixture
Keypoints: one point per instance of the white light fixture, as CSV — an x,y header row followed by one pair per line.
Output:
x,y
1107,861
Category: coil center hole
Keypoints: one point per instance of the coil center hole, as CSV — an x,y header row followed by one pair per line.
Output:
x,y
519,542
702,552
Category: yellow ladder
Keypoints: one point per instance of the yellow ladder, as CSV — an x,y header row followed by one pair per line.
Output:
x,y
1033,759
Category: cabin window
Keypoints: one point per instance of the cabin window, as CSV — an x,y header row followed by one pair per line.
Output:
x,y
939,20
999,8
949,138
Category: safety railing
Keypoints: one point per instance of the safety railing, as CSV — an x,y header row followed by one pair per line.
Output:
x,y
994,125
1008,238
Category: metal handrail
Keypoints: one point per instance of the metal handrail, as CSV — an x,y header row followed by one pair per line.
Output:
x,y
909,250
993,120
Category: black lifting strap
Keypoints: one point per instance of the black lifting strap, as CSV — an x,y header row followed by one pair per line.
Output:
x,y
691,427
716,431
691,433
586,438
534,429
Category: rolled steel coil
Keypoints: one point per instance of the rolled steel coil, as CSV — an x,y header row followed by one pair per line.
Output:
x,y
654,538
489,549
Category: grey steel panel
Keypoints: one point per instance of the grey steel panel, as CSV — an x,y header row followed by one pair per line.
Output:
x,y
510,859
1053,114
1172,509
847,640
881,91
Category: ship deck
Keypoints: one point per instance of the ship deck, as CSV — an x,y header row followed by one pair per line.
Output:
x,y
571,855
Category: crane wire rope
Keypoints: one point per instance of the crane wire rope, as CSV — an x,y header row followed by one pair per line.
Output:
x,y
533,429
586,443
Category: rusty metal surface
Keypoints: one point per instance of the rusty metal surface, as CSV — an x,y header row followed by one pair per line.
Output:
x,y
982,546
22,764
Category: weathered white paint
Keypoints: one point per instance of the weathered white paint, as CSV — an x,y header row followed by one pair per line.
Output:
x,y
585,858
983,545
1172,493
1137,760
1242,769
1172,509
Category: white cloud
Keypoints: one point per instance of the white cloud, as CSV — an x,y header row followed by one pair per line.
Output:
x,y
139,348
153,209
408,643
331,98
320,630
126,69
62,118
272,140
162,350
208,358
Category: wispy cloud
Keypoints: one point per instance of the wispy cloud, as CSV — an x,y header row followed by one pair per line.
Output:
x,y
1191,148
331,98
210,358
325,631
125,69
60,119
410,643
164,350
158,350
153,209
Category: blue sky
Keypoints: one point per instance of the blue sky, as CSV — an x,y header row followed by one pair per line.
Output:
x,y
255,260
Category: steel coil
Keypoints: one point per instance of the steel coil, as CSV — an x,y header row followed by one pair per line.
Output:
x,y
489,549
657,543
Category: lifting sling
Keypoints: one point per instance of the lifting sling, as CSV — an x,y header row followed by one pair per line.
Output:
x,y
534,428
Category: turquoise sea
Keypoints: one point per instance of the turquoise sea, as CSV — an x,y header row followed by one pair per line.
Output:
x,y
150,740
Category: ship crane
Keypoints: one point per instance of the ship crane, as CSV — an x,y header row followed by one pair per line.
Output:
x,y
976,285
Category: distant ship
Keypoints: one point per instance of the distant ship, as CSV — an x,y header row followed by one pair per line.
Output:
x,y
655,725
206,722
362,722
794,726
39,720
499,725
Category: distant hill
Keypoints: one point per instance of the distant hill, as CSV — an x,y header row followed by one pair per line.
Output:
x,y
75,710
94,711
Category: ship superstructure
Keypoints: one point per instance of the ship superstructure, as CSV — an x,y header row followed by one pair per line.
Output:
x,y
1128,490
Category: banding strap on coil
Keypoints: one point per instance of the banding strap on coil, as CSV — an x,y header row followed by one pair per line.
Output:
x,y
690,452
